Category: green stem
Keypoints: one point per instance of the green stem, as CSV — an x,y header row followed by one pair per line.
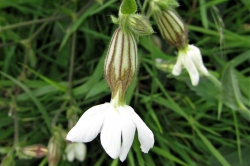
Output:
x,y
58,112
71,66
28,23
144,7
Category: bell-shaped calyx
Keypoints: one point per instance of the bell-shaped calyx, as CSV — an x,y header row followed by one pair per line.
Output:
x,y
121,63
171,26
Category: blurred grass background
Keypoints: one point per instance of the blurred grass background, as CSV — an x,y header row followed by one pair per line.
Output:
x,y
51,61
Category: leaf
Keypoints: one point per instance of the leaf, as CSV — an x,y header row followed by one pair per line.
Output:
x,y
99,1
128,7
231,154
212,149
94,79
98,88
131,91
49,81
231,95
212,95
203,10
10,3
167,155
32,57
40,107
76,25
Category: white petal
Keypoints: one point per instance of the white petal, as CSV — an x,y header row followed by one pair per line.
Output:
x,y
197,59
80,151
111,133
70,152
89,125
146,137
177,67
128,132
192,71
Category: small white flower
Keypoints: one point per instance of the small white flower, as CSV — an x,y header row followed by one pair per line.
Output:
x,y
117,126
76,150
191,59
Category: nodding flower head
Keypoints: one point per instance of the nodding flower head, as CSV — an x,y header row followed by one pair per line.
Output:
x,y
172,28
191,59
115,121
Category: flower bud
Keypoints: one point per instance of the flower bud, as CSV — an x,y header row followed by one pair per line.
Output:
x,y
72,116
121,62
156,41
35,151
172,28
55,146
54,151
140,25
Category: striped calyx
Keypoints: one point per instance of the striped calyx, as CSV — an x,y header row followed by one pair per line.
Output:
x,y
165,4
172,28
140,25
121,63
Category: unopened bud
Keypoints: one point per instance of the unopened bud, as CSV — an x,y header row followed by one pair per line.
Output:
x,y
121,62
157,41
35,151
72,116
172,28
140,25
55,147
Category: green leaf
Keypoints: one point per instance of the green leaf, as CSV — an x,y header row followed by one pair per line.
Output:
x,y
131,91
212,149
99,1
231,95
128,7
98,88
167,155
131,158
89,12
203,10
10,3
49,81
231,155
94,79
32,57
99,162
210,83
77,24
40,107
115,162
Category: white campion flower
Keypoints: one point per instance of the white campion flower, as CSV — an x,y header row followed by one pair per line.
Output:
x,y
116,127
190,58
76,151
115,121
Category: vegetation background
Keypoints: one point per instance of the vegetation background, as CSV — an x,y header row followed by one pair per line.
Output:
x,y
51,62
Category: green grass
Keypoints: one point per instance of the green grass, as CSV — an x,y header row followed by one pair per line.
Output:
x,y
51,60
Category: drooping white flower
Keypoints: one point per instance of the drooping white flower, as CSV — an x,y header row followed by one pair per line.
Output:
x,y
115,121
76,151
116,127
191,59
